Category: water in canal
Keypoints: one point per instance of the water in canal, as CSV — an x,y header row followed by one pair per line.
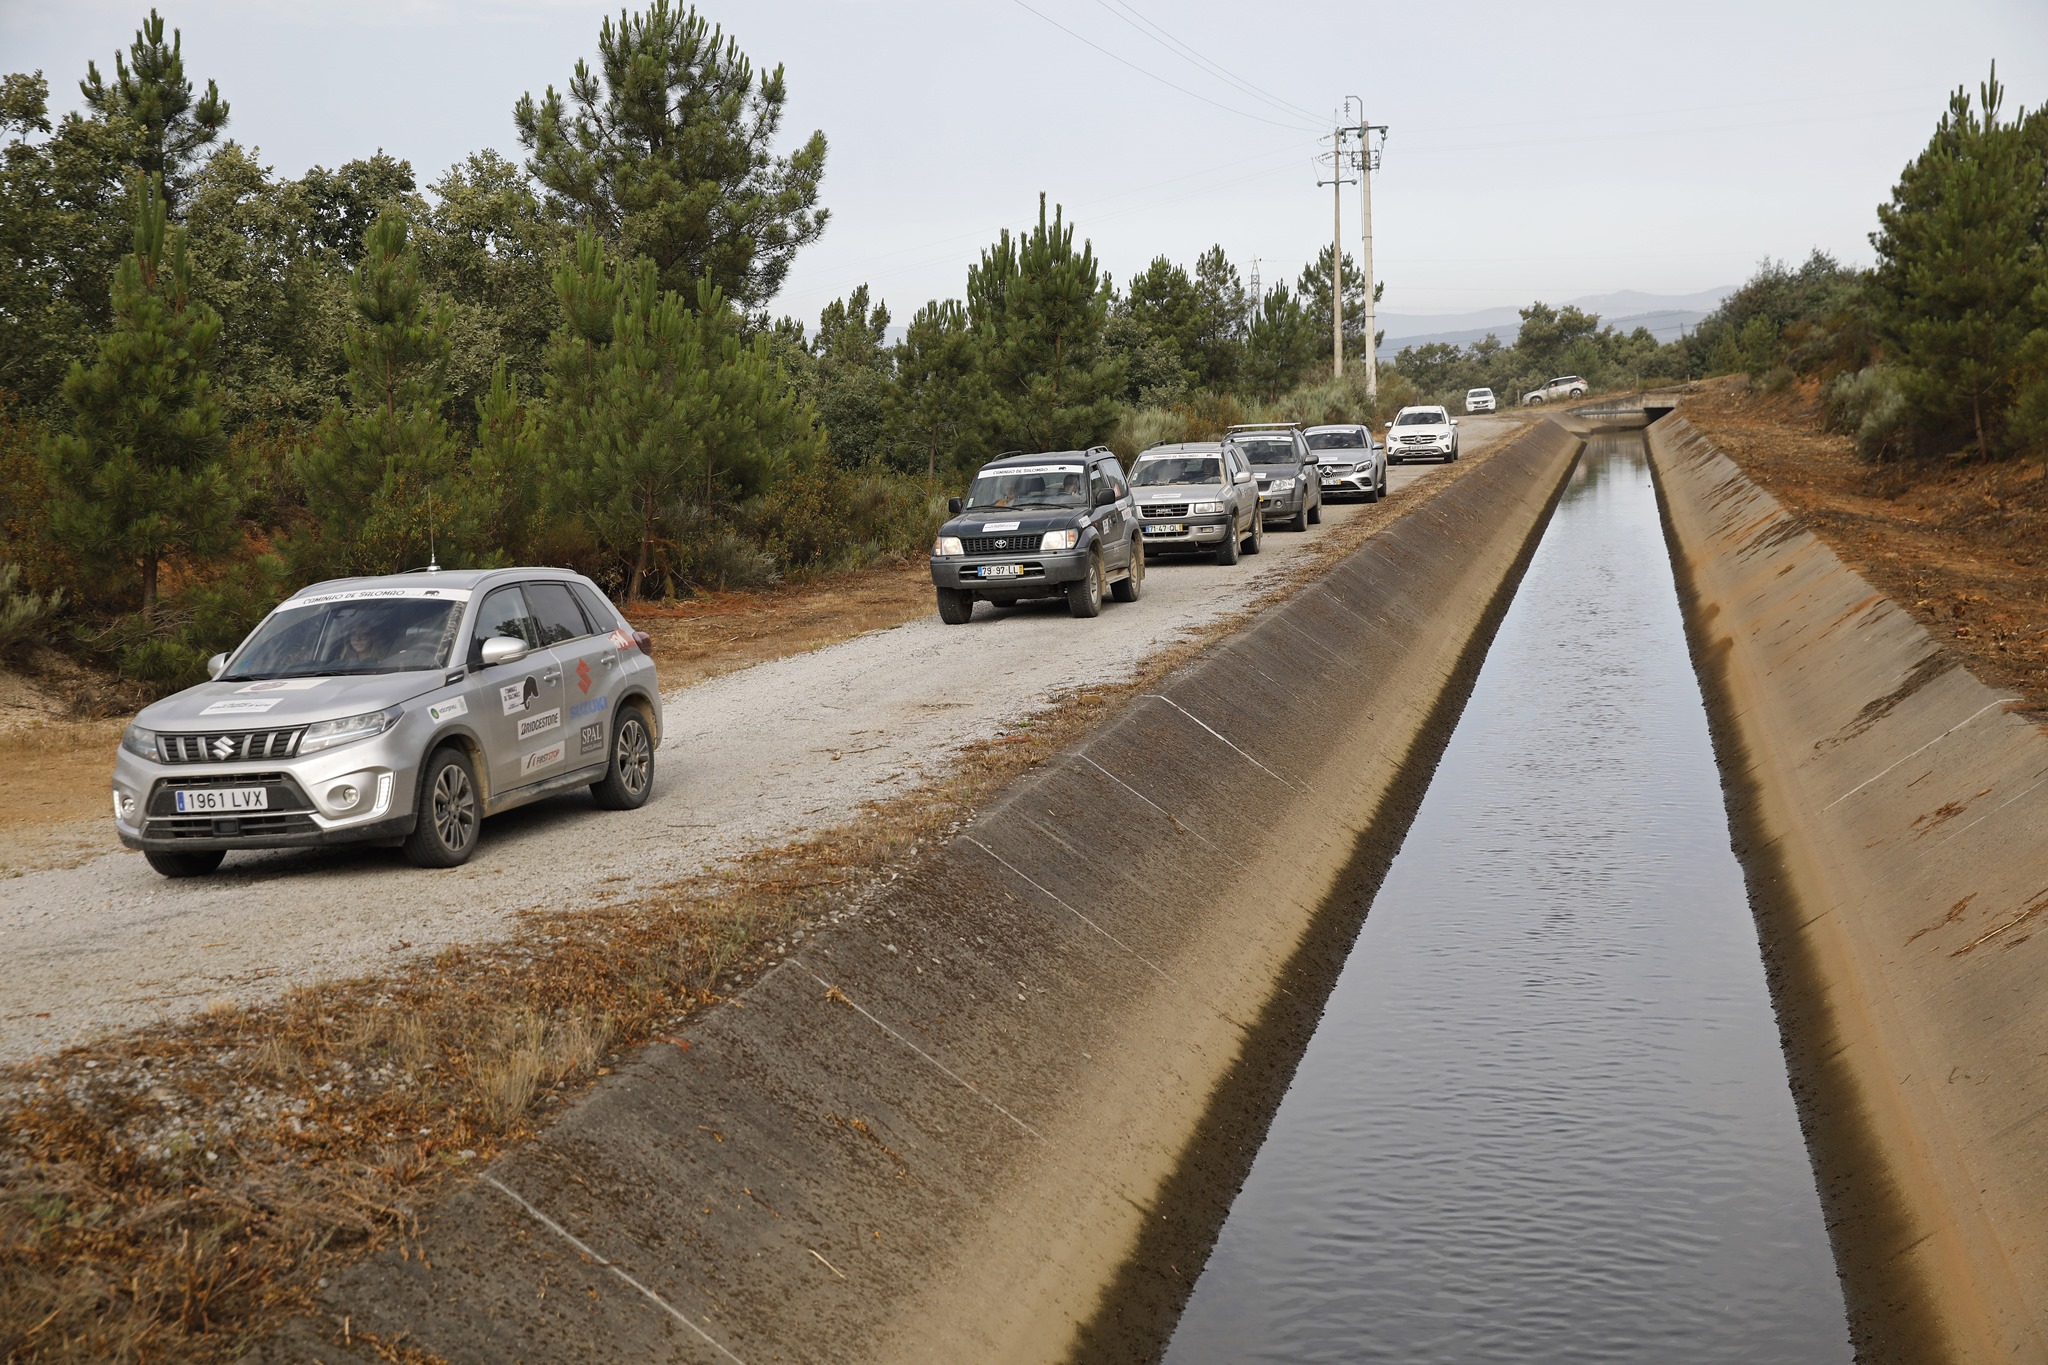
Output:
x,y
1545,1116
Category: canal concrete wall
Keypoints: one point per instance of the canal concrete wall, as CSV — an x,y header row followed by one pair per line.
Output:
x,y
1891,812
1000,1116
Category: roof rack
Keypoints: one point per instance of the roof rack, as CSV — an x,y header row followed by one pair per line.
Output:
x,y
1265,426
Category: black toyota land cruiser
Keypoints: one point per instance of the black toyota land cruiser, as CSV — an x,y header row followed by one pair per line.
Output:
x,y
1056,524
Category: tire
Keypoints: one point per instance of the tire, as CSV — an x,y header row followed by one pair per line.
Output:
x,y
444,834
1299,521
196,864
956,606
629,775
1084,595
1315,514
1132,586
1256,541
1226,553
1372,492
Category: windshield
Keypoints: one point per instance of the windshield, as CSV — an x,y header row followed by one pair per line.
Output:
x,y
1172,469
347,633
1425,418
1038,485
1270,450
1336,440
1480,393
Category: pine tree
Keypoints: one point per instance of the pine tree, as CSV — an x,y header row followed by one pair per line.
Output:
x,y
660,417
850,379
152,98
1037,308
1280,344
667,154
939,405
1224,308
1959,283
382,473
141,475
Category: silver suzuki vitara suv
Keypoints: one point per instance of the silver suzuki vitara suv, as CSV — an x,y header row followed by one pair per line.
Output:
x,y
397,710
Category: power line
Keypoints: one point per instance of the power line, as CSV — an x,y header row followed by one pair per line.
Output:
x,y
1188,54
1149,75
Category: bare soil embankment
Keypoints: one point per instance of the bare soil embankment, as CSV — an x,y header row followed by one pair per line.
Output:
x,y
999,1116
1887,806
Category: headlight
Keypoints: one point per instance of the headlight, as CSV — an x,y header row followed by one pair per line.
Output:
x,y
1058,540
1280,485
1203,509
139,741
329,734
947,545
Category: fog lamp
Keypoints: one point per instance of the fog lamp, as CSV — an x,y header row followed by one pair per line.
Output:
x,y
343,797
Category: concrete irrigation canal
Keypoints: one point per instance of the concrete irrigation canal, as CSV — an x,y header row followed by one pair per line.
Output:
x,y
1527,941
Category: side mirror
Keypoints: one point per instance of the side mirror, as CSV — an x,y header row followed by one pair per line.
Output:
x,y
503,649
1244,476
1454,421
955,506
216,665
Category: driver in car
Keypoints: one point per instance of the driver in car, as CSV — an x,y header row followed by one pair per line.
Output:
x,y
1070,486
362,642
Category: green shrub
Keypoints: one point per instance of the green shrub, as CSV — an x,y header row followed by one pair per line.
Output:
x,y
25,617
1870,406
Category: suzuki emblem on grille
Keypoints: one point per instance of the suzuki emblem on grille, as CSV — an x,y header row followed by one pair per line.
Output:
x,y
223,748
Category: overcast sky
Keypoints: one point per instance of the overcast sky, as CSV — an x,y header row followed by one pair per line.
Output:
x,y
1536,151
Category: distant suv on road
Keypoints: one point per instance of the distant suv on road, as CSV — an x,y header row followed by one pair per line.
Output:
x,y
1422,433
1349,461
1285,469
1480,400
402,710
1047,525
1564,386
1201,496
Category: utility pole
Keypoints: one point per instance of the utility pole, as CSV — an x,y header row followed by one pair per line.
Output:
x,y
1368,161
1337,184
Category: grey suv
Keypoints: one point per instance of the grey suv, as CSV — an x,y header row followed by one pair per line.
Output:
x,y
396,710
1351,462
1201,496
1049,525
1285,469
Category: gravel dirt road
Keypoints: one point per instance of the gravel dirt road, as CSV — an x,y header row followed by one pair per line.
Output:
x,y
750,759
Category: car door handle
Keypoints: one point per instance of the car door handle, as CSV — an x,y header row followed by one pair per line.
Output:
x,y
607,659
554,675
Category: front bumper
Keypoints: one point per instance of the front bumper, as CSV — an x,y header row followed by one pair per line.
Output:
x,y
1286,503
965,572
1435,450
1359,479
301,808
1205,532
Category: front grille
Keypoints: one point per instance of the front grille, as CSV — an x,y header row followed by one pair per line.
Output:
x,y
1166,509
253,825
286,795
1018,543
237,746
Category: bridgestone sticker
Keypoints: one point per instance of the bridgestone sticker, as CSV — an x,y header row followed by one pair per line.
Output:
x,y
448,710
516,697
284,685
540,724
231,707
378,594
591,737
540,758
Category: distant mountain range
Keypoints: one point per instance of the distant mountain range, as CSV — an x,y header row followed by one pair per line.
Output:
x,y
1666,315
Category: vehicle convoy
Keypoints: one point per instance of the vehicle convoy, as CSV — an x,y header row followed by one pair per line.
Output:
x,y
1198,496
1061,523
396,710
1423,433
1480,400
1285,468
1564,386
1350,463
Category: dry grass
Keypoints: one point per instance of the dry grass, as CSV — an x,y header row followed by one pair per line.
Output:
x,y
175,1195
